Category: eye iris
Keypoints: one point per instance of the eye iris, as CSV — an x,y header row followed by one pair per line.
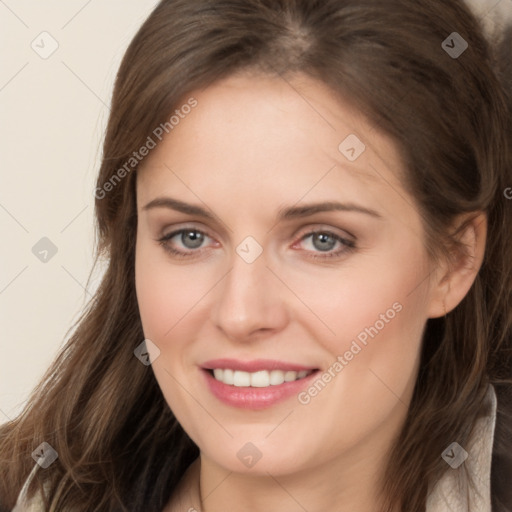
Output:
x,y
195,236
322,237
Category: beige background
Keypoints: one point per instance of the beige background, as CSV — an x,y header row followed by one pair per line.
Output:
x,y
53,113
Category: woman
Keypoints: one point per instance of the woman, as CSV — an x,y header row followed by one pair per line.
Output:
x,y
306,211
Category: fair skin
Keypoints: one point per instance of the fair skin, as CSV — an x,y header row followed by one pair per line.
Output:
x,y
252,146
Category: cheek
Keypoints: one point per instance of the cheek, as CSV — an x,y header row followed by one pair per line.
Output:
x,y
167,294
168,297
374,312
373,353
379,319
355,296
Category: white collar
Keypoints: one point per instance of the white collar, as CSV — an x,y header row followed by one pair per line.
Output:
x,y
453,492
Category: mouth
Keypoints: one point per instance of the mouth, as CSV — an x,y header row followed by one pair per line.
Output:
x,y
255,385
259,379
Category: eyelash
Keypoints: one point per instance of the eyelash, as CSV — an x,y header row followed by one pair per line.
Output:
x,y
348,245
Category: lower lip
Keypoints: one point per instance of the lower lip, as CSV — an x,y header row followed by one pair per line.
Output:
x,y
255,398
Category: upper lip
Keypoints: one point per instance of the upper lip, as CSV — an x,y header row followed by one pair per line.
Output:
x,y
255,365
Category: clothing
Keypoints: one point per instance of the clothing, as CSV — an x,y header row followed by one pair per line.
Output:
x,y
451,493
24,505
494,15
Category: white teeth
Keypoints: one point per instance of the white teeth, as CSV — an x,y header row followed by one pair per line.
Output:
x,y
276,377
228,377
260,379
241,379
290,376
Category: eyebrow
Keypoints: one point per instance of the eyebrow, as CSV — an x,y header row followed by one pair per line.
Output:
x,y
288,213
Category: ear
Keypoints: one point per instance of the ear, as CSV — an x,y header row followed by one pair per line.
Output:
x,y
454,278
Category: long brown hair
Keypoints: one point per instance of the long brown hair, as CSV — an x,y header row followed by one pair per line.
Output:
x,y
119,445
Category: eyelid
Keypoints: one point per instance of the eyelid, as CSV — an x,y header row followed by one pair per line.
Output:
x,y
347,243
299,234
169,232
324,228
180,230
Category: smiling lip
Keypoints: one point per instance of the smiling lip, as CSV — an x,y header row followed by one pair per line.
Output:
x,y
246,397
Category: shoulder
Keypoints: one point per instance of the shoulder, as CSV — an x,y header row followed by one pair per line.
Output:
x,y
454,490
24,504
185,498
494,16
33,505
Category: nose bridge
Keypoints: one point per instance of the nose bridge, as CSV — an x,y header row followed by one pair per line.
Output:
x,y
250,298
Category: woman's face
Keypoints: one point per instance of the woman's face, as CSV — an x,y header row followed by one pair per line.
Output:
x,y
266,286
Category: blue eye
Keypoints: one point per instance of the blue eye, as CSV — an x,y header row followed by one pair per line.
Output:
x,y
196,237
192,239
324,241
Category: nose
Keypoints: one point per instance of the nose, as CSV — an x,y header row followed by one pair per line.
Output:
x,y
250,301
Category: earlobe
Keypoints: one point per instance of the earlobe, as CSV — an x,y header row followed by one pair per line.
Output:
x,y
458,275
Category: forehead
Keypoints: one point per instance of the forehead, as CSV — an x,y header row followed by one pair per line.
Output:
x,y
254,132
